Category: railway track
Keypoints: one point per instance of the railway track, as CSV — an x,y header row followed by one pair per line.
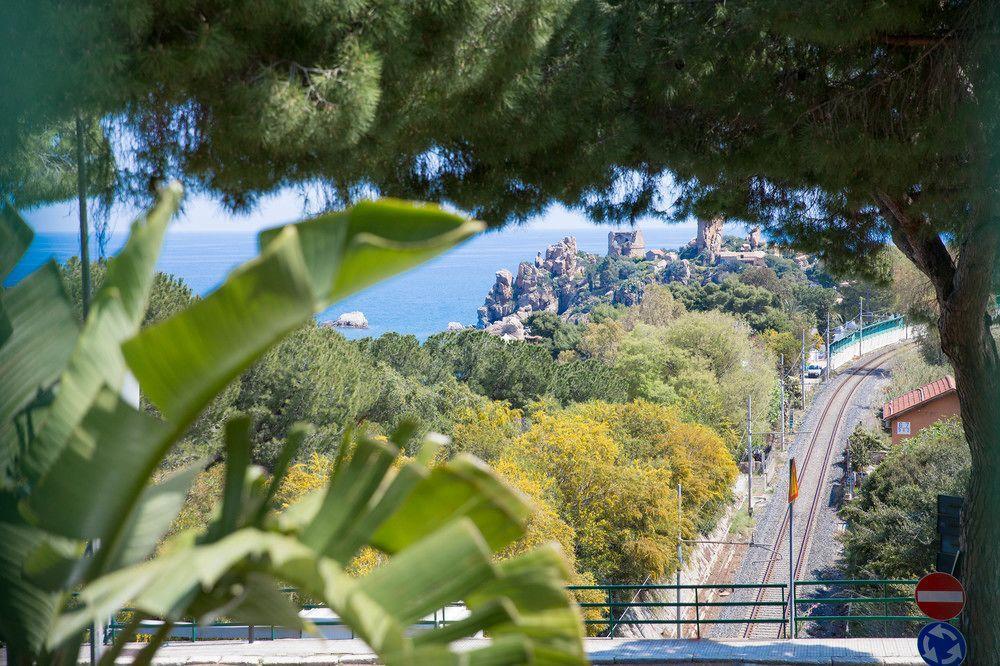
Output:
x,y
812,469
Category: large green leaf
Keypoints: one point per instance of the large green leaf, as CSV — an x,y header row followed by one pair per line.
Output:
x,y
349,250
26,611
463,486
151,517
33,356
115,314
90,490
15,237
184,361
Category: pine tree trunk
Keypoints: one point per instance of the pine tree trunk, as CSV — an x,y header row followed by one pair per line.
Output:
x,y
973,353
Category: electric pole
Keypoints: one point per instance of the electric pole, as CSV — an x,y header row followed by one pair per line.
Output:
x,y
802,370
749,456
680,559
861,324
829,361
81,196
783,417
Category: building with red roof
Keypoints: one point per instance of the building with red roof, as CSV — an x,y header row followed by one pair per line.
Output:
x,y
912,412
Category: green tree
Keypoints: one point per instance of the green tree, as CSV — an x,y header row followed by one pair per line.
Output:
x,y
167,296
863,445
891,525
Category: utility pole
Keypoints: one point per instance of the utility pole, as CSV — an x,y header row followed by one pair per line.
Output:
x,y
802,370
96,628
783,417
749,456
861,324
829,361
680,559
81,196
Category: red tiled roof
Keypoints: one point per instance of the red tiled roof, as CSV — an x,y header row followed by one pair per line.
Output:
x,y
917,397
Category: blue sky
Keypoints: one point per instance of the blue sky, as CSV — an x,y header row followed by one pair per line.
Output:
x,y
202,214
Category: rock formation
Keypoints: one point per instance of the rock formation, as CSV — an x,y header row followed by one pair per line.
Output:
x,y
455,326
500,301
351,320
709,239
549,284
508,328
755,239
630,244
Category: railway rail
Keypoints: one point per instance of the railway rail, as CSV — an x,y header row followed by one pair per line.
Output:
x,y
764,611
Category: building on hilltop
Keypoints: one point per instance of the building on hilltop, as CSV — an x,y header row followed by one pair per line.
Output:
x,y
911,412
630,244
752,257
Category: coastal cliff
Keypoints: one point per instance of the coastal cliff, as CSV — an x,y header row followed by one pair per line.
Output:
x,y
568,282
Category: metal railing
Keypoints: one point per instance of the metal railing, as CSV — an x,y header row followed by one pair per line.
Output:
x,y
867,600
886,598
612,619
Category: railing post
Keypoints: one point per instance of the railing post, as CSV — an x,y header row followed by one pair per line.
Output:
x,y
885,609
611,616
194,630
250,633
697,613
784,612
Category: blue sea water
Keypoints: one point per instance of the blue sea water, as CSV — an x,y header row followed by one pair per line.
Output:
x,y
421,301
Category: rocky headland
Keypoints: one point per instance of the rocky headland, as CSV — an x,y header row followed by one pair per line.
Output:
x,y
568,282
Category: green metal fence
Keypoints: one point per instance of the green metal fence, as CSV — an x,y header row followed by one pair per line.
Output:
x,y
866,600
613,608
870,330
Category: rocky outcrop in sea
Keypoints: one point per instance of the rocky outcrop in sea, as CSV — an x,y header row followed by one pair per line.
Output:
x,y
350,320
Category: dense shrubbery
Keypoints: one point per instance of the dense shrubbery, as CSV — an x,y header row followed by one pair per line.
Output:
x,y
891,530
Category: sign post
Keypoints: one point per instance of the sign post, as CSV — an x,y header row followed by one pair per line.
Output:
x,y
793,494
940,596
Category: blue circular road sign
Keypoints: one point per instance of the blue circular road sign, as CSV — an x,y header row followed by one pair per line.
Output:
x,y
941,644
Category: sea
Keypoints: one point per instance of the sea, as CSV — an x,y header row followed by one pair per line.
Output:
x,y
421,301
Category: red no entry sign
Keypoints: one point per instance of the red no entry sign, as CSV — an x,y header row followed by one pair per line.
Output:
x,y
940,596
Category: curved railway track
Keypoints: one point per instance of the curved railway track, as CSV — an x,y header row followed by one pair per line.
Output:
x,y
840,399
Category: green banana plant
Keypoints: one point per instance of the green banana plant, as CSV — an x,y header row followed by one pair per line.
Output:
x,y
77,462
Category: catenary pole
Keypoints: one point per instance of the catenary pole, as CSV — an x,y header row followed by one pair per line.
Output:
x,y
829,361
861,324
680,560
749,457
784,418
802,371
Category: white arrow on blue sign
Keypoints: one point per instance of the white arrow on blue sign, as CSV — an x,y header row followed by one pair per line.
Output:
x,y
941,644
